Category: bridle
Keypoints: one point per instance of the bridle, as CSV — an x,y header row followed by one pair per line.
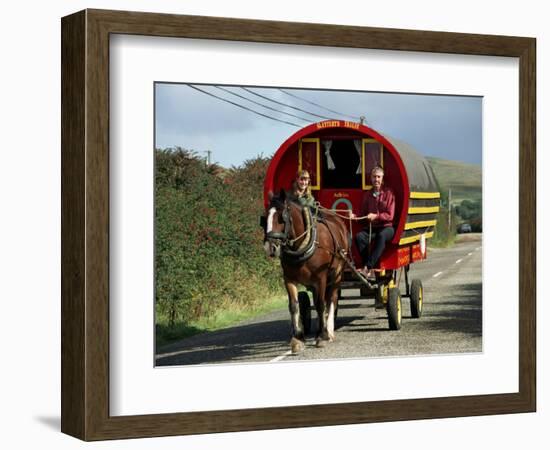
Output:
x,y
309,244
290,253
282,237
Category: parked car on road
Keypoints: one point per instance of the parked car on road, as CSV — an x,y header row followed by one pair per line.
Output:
x,y
464,228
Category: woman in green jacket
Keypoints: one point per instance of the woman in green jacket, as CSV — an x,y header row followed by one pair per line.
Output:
x,y
301,190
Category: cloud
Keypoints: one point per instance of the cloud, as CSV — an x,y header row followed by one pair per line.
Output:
x,y
182,109
444,126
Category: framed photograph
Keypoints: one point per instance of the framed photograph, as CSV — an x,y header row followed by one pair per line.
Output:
x,y
180,132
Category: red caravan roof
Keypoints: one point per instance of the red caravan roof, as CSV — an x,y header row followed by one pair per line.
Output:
x,y
310,129
269,183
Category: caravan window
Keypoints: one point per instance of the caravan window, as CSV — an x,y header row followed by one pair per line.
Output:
x,y
341,168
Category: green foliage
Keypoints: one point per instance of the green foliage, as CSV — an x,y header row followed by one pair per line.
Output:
x,y
221,319
464,182
209,253
444,235
470,211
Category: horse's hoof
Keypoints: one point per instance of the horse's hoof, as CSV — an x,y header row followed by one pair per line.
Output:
x,y
320,343
296,346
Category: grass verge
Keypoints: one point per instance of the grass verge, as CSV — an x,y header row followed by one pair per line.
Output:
x,y
445,242
222,318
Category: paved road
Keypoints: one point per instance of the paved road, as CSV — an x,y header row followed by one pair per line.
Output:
x,y
451,321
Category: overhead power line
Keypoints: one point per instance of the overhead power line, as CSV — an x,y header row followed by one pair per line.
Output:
x,y
262,105
318,105
286,105
243,107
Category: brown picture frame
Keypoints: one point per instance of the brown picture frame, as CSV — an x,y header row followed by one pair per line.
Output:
x,y
85,224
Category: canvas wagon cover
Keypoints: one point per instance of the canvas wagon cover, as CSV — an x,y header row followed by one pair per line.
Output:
x,y
419,171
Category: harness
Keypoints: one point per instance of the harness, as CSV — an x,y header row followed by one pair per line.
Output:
x,y
296,256
306,249
310,244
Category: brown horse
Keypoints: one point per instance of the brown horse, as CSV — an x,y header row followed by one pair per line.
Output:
x,y
311,250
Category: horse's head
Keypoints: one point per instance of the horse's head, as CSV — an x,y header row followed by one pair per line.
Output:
x,y
277,224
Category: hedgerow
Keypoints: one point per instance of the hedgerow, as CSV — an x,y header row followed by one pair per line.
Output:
x,y
208,243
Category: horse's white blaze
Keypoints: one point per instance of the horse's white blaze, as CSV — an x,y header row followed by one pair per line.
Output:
x,y
330,321
270,219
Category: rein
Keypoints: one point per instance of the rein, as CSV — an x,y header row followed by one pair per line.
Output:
x,y
308,246
309,243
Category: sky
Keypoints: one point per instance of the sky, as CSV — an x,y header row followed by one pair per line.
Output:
x,y
447,127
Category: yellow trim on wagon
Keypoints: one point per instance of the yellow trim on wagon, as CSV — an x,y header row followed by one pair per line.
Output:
x,y
411,239
422,224
423,209
318,147
425,195
364,174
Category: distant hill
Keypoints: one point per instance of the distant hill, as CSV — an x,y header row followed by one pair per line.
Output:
x,y
464,179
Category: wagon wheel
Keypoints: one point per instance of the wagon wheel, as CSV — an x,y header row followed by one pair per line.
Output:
x,y
417,298
305,311
394,308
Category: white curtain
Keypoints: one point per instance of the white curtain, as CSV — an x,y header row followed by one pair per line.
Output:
x,y
357,144
330,162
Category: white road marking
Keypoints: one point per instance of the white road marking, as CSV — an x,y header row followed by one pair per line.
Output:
x,y
437,274
281,357
458,261
477,249
470,254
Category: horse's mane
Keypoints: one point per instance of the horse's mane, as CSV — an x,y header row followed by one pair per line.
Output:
x,y
277,202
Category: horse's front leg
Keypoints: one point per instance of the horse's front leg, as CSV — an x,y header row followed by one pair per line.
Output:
x,y
322,314
297,340
332,297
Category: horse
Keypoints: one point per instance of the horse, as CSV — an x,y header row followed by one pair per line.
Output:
x,y
312,249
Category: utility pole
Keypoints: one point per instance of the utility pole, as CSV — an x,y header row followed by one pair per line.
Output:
x,y
450,208
209,153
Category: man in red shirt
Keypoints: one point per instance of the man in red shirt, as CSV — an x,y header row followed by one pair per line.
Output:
x,y
379,209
